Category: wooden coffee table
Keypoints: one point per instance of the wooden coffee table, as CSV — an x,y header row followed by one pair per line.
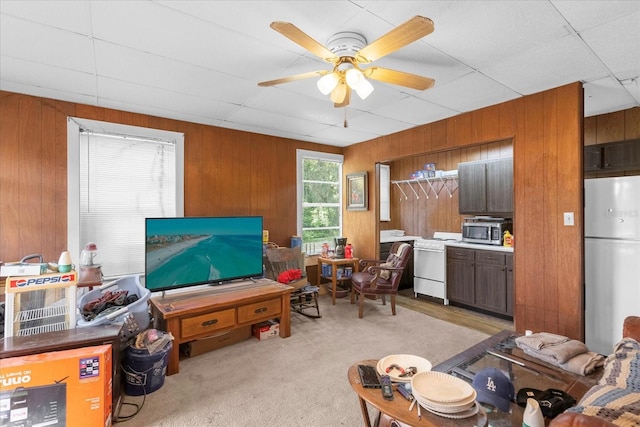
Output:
x,y
498,351
398,408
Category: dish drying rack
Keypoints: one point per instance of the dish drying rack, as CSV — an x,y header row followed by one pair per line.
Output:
x,y
39,304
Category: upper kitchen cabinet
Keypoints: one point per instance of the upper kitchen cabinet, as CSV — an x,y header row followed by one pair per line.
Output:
x,y
612,157
486,187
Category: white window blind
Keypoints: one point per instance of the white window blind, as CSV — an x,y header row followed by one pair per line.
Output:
x,y
123,179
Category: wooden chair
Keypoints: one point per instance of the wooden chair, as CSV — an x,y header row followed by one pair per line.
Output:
x,y
304,298
381,277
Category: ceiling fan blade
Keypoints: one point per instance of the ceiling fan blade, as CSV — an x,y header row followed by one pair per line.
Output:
x,y
401,78
345,101
293,78
296,35
412,30
339,93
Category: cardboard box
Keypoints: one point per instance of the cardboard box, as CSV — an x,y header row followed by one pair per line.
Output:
x,y
204,345
268,329
71,387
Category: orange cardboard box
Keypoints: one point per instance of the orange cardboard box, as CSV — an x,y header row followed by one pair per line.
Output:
x,y
71,387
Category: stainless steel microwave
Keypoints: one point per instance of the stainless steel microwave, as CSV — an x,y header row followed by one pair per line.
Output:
x,y
485,232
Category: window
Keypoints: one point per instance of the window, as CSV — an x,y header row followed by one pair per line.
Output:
x,y
117,176
319,178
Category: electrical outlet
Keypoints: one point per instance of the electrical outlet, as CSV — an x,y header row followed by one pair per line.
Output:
x,y
568,218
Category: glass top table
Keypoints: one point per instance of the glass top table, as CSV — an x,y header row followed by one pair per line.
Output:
x,y
501,352
498,351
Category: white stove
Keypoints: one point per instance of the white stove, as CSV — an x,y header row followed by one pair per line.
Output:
x,y
429,271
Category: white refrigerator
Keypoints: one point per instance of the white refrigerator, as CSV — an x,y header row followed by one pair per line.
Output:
x,y
612,258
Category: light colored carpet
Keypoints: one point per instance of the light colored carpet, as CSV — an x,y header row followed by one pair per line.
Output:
x,y
300,380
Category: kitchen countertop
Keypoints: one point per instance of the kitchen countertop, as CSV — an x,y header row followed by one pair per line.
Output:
x,y
480,246
388,239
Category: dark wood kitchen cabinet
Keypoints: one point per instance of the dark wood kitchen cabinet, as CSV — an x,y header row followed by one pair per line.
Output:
x,y
491,281
486,187
510,292
461,275
481,279
612,157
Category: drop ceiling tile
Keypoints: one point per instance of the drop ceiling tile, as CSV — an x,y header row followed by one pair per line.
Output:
x,y
46,92
342,137
478,33
140,95
561,62
469,92
415,111
379,125
177,35
296,105
144,109
270,120
583,15
127,64
42,75
605,96
254,17
70,15
44,44
617,43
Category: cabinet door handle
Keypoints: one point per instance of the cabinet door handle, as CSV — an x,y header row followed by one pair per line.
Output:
x,y
210,322
260,310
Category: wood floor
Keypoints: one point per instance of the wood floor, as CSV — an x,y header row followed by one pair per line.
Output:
x,y
456,315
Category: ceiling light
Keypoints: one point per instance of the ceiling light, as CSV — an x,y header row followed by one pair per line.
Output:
x,y
354,77
328,82
364,89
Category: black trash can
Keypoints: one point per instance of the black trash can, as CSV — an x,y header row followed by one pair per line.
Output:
x,y
144,372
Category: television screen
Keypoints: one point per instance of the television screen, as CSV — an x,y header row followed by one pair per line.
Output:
x,y
192,251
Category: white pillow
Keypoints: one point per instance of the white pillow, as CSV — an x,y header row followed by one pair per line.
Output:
x,y
385,274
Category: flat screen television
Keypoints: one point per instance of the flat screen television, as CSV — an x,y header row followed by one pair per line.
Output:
x,y
189,251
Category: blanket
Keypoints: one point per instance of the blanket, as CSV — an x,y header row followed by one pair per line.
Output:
x,y
557,350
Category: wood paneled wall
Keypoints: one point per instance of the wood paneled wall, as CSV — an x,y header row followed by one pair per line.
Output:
x,y
546,130
612,127
423,216
227,172
237,173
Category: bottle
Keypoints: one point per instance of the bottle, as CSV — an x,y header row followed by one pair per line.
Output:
x,y
348,251
507,239
532,414
325,250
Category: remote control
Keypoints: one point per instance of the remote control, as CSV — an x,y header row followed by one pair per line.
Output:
x,y
387,390
368,376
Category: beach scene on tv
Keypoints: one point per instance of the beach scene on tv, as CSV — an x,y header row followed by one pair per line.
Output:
x,y
188,251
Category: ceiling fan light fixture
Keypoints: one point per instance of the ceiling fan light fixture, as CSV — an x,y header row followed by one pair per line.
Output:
x,y
354,77
364,89
327,83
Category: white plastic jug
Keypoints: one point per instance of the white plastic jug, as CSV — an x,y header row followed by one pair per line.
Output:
x,y
532,414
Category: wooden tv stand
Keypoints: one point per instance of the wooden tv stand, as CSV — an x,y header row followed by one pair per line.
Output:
x,y
197,314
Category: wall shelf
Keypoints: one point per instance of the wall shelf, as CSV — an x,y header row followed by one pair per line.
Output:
x,y
426,186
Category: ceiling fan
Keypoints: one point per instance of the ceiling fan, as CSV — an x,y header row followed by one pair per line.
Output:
x,y
348,51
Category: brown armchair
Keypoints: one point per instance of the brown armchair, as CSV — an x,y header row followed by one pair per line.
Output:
x,y
380,277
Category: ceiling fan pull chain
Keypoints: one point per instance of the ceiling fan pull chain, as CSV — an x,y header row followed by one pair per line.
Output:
x,y
345,118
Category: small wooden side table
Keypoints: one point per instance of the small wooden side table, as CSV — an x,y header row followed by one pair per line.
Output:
x,y
335,262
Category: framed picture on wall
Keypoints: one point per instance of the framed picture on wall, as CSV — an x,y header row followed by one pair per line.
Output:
x,y
357,194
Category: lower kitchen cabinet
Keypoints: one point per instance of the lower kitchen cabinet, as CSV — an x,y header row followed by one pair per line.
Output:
x,y
460,275
481,279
